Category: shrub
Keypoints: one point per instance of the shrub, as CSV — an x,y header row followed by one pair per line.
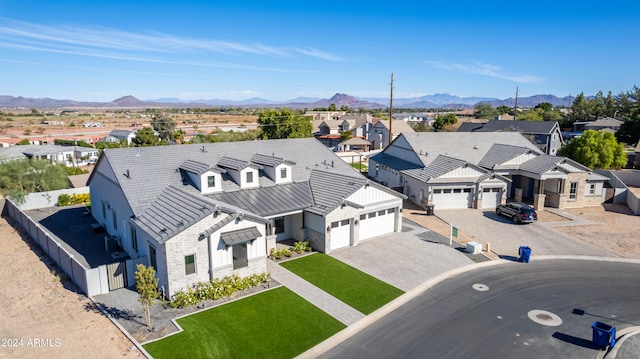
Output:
x,y
75,198
300,247
216,289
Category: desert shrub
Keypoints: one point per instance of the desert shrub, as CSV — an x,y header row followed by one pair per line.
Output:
x,y
216,289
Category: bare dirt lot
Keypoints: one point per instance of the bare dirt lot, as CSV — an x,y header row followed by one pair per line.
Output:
x,y
616,230
43,316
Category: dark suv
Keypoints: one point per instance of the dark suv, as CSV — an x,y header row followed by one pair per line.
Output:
x,y
518,212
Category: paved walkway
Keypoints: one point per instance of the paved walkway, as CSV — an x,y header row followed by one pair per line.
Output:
x,y
316,296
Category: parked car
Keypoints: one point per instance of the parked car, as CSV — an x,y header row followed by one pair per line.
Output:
x,y
518,212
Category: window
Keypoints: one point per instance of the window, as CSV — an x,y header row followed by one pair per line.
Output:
x,y
363,217
436,191
278,224
457,190
382,213
134,239
335,224
190,264
344,222
372,215
283,173
249,177
152,256
446,190
467,190
573,191
486,189
391,210
211,181
592,189
115,220
240,259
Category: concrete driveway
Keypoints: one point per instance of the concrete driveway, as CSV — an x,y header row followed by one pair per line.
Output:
x,y
505,237
404,259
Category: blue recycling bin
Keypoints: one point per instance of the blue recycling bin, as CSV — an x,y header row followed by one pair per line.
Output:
x,y
603,335
525,254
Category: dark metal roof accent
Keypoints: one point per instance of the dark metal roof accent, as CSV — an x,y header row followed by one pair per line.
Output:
x,y
198,167
269,161
235,164
240,236
394,162
267,201
439,166
499,153
529,127
330,189
209,231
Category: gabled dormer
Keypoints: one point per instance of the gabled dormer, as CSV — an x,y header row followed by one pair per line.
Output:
x,y
206,178
244,173
277,169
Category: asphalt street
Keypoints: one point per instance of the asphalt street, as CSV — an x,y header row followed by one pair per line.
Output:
x,y
542,309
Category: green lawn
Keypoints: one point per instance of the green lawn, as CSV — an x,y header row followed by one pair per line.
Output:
x,y
360,167
357,289
274,324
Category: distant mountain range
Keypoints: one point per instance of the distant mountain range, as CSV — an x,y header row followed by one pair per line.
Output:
x,y
429,101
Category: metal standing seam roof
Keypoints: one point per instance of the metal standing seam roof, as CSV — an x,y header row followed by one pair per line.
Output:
x,y
542,164
269,161
235,164
439,166
199,167
175,210
329,190
499,153
240,236
532,127
268,201
394,162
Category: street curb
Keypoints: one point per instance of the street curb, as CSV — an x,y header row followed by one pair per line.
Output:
x,y
623,335
353,329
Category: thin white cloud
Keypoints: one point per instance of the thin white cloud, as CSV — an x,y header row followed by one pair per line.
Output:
x,y
86,39
319,54
479,68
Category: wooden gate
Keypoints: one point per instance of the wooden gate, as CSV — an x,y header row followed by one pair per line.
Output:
x,y
117,275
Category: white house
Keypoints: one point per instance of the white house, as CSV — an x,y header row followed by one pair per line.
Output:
x,y
480,170
378,134
203,211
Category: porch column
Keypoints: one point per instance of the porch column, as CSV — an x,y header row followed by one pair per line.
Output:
x,y
538,199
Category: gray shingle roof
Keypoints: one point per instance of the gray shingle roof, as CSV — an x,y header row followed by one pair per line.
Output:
x,y
470,146
531,127
152,169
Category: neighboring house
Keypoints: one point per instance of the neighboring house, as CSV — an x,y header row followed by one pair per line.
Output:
x,y
199,212
328,132
414,118
624,188
52,153
123,135
317,117
480,170
545,134
379,133
604,123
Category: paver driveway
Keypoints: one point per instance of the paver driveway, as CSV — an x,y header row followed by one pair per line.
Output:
x,y
506,237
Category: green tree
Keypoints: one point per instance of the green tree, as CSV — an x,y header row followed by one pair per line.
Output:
x,y
283,123
610,105
629,131
147,287
596,149
504,110
17,178
597,105
545,106
164,125
333,107
345,135
23,142
146,137
442,121
485,110
421,127
580,109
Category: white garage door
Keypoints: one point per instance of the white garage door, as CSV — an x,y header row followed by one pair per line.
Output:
x,y
377,223
491,197
446,198
340,234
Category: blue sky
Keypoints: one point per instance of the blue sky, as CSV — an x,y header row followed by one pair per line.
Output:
x,y
280,50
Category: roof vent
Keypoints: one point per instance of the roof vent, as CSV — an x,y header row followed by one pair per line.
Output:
x,y
202,149
127,174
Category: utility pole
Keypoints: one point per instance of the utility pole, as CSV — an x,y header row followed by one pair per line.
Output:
x,y
515,108
391,112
